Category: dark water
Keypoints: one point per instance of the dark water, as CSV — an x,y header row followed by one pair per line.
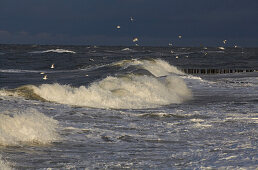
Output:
x,y
127,108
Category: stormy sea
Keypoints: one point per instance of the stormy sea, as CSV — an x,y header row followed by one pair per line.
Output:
x,y
96,107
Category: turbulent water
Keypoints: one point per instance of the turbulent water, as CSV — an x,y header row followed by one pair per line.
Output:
x,y
127,108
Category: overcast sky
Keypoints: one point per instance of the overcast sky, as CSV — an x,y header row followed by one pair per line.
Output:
x,y
157,22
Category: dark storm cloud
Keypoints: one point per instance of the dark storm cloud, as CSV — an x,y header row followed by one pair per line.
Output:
x,y
157,21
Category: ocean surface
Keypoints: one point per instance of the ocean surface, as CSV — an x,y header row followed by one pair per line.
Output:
x,y
127,108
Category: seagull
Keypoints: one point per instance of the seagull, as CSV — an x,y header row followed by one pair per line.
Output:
x,y
171,51
42,73
135,39
118,27
225,41
45,77
177,57
136,44
86,75
205,48
221,48
131,18
187,56
52,66
91,59
235,46
169,44
180,36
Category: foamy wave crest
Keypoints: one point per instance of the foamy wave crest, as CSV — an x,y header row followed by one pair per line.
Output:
x,y
54,51
27,127
128,92
157,67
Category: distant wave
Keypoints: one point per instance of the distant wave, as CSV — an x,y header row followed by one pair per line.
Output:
x,y
54,51
27,127
18,71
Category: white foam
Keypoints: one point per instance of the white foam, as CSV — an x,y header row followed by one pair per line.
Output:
x,y
54,51
4,165
27,127
131,92
157,67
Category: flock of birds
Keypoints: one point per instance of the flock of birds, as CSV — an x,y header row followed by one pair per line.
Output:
x,y
136,40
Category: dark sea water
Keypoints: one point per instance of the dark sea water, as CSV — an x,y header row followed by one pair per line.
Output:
x,y
127,108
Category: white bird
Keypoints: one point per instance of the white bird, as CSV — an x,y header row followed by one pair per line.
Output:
x,y
221,48
52,66
169,44
180,36
177,57
118,27
131,18
91,59
225,41
86,75
136,44
42,73
171,51
45,77
135,39
235,46
187,56
205,48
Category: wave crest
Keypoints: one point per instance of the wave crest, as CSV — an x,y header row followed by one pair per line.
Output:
x,y
157,67
128,92
27,127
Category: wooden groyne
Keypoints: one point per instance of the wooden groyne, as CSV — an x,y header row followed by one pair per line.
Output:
x,y
215,71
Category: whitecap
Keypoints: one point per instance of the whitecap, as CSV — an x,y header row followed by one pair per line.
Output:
x,y
54,51
27,127
18,71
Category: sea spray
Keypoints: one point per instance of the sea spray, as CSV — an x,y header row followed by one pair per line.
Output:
x,y
27,127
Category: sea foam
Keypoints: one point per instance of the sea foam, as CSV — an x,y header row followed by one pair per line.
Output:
x,y
27,127
4,164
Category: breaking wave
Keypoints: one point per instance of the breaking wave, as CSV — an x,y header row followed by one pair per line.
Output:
x,y
129,91
54,51
27,127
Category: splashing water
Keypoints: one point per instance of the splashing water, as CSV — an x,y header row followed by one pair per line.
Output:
x,y
27,127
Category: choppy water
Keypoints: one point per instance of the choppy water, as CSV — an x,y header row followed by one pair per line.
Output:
x,y
127,108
